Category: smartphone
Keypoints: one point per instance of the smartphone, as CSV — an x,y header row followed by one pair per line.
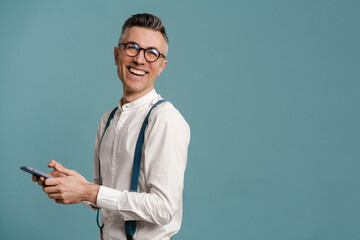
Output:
x,y
34,172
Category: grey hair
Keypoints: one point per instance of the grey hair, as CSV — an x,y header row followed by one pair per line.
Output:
x,y
144,20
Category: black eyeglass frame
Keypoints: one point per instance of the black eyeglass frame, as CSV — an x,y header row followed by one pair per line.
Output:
x,y
140,48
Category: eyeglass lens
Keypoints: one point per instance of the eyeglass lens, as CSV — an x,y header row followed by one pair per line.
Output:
x,y
133,49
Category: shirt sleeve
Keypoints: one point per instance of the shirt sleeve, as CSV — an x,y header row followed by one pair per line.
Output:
x,y
164,160
100,128
90,205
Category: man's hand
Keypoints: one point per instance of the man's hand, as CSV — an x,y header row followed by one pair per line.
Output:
x,y
55,173
68,186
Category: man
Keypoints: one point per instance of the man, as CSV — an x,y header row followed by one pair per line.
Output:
x,y
157,205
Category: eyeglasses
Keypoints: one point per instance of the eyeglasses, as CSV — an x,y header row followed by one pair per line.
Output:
x,y
132,49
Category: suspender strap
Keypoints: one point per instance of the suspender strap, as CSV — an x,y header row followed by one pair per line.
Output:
x,y
106,127
111,116
130,226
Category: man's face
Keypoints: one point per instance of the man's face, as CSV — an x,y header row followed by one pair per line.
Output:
x,y
136,73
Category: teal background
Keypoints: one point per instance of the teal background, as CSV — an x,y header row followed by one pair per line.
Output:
x,y
269,88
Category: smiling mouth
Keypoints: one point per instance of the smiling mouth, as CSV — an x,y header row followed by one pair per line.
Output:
x,y
136,72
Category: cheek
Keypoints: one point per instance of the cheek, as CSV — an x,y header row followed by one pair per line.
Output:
x,y
121,67
120,72
122,60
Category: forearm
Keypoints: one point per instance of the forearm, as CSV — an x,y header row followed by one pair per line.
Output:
x,y
149,207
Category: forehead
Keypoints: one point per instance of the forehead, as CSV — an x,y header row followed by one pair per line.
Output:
x,y
145,37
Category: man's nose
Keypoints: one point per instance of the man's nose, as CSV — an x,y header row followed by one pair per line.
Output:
x,y
140,58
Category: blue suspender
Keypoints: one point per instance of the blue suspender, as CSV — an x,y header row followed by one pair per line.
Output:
x,y
130,226
100,182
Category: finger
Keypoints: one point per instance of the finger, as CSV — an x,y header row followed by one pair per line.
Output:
x,y
40,180
55,196
56,174
58,167
50,190
62,201
34,178
59,199
52,163
40,183
51,182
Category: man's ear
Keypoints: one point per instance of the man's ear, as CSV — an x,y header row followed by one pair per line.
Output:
x,y
162,67
116,55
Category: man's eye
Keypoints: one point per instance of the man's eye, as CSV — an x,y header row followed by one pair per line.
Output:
x,y
153,52
131,47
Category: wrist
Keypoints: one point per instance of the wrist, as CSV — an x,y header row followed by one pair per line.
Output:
x,y
91,192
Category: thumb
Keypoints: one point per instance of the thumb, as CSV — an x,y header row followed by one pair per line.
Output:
x,y
58,167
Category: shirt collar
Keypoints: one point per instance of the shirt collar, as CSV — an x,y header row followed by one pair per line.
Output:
x,y
147,99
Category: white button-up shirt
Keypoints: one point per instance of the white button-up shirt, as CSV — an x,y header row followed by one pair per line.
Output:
x,y
157,206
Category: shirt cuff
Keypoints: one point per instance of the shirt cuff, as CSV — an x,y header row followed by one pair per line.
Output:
x,y
90,205
107,198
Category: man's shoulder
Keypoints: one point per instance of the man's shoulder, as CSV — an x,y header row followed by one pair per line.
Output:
x,y
165,109
107,113
167,112
105,116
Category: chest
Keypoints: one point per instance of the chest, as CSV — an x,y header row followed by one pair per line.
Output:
x,y
117,151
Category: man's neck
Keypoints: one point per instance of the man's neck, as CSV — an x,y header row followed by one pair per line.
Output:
x,y
130,97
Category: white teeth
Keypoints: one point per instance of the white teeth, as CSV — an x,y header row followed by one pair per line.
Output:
x,y
137,72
